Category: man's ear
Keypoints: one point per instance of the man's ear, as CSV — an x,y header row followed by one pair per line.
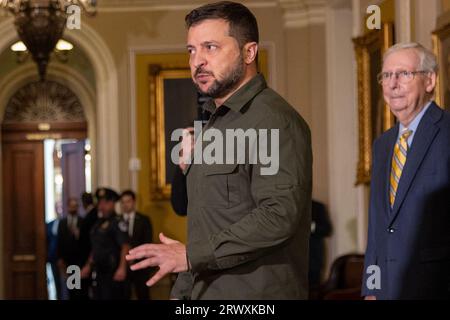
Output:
x,y
250,51
430,83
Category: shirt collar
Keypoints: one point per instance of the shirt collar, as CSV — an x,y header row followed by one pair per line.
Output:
x,y
129,215
415,123
242,96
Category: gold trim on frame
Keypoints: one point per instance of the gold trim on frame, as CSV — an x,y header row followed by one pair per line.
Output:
x,y
442,79
160,190
365,46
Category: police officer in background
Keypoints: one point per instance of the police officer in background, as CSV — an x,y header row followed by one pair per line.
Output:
x,y
109,239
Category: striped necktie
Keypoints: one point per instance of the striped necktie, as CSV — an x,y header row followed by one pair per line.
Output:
x,y
398,162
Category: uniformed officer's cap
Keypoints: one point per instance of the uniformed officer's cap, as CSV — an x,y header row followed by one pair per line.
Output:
x,y
106,194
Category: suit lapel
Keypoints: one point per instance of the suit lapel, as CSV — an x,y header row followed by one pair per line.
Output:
x,y
386,169
423,138
136,226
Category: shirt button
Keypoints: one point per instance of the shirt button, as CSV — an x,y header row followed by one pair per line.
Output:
x,y
391,230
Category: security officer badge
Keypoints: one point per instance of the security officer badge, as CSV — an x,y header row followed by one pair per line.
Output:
x,y
123,226
104,225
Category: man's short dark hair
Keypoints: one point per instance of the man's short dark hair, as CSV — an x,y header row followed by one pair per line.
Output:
x,y
242,22
128,193
87,199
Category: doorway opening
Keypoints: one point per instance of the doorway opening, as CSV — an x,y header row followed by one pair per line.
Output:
x,y
46,159
67,174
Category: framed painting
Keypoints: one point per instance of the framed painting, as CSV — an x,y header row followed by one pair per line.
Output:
x,y
173,105
374,116
441,48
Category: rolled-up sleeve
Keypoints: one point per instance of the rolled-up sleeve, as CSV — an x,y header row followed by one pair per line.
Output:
x,y
182,288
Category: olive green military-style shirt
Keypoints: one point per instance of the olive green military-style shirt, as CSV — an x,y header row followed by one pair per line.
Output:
x,y
248,227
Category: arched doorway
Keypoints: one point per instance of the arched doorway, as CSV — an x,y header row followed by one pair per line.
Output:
x,y
44,133
101,102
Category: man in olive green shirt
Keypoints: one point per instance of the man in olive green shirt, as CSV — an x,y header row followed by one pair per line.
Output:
x,y
248,221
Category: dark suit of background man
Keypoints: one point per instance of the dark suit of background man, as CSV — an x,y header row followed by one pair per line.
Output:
x,y
320,229
140,232
409,215
69,251
248,231
52,256
89,221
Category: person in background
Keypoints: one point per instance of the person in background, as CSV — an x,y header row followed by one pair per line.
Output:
x,y
109,239
69,251
320,229
178,195
89,221
52,258
139,229
408,246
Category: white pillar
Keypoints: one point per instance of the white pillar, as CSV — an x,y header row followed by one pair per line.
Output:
x,y
403,20
426,14
342,131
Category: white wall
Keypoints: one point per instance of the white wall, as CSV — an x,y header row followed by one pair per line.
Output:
x,y
344,197
426,13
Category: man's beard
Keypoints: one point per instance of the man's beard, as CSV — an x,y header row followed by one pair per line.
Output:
x,y
220,88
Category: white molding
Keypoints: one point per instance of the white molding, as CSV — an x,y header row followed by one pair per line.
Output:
x,y
61,73
144,6
426,18
357,26
403,21
300,14
133,117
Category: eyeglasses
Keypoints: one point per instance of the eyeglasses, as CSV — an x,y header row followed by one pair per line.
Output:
x,y
401,76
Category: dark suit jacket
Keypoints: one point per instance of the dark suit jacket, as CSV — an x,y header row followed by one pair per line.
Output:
x,y
142,230
178,197
411,242
89,221
52,241
322,230
68,247
142,233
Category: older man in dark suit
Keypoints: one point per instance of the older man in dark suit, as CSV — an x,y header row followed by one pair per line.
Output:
x,y
408,251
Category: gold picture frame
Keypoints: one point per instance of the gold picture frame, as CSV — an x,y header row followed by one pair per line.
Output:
x,y
441,48
374,116
173,105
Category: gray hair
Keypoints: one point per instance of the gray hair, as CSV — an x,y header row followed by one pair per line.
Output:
x,y
428,61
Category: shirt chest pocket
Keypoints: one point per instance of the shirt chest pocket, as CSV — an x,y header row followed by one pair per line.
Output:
x,y
220,186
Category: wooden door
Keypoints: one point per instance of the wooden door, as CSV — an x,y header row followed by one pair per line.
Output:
x,y
23,221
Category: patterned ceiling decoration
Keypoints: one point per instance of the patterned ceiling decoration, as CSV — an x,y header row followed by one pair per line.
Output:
x,y
44,102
